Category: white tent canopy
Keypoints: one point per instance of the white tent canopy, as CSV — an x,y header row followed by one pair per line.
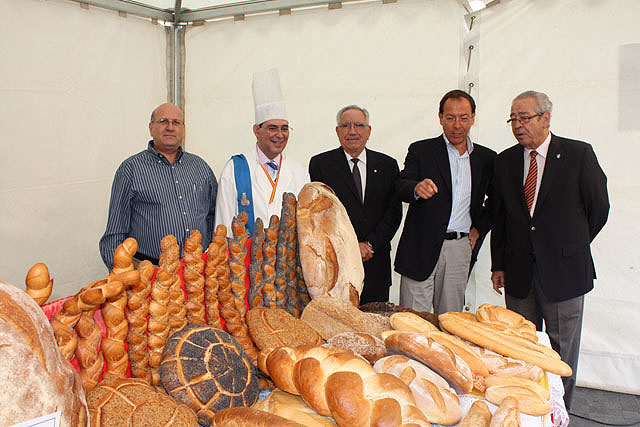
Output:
x,y
79,83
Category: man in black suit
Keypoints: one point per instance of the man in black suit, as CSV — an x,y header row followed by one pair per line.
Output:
x,y
364,181
550,203
445,180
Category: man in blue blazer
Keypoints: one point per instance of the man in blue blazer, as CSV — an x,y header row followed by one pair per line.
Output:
x,y
364,182
550,202
445,180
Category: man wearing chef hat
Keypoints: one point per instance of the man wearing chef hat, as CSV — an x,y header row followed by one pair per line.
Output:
x,y
255,181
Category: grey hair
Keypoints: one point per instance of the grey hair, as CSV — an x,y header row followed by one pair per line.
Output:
x,y
543,103
353,107
153,113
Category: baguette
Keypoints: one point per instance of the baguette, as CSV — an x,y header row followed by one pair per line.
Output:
x,y
433,354
516,347
479,415
507,414
409,322
503,317
528,400
498,364
500,380
38,283
437,401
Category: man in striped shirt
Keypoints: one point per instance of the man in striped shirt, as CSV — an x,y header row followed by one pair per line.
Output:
x,y
445,180
161,190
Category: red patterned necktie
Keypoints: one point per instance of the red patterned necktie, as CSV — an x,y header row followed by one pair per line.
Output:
x,y
530,182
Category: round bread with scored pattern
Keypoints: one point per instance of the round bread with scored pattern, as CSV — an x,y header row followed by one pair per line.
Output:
x,y
206,369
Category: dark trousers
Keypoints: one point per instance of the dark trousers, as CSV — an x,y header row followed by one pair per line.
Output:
x,y
563,324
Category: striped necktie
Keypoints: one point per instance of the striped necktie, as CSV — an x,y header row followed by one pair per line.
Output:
x,y
530,182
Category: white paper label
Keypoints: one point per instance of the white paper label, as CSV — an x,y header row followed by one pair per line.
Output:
x,y
51,420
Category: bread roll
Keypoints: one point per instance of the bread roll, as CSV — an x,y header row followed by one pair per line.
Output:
x,y
39,285
343,386
243,417
505,344
36,379
433,354
332,316
328,245
479,415
132,402
529,401
292,408
437,401
507,414
193,278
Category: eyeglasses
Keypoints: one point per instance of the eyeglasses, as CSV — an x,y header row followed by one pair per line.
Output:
x,y
356,125
522,119
165,122
275,129
463,120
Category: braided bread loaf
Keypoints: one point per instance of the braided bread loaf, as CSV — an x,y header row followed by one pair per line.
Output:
x,y
255,268
216,254
237,256
194,281
269,263
170,261
39,285
284,251
138,304
123,255
89,358
158,322
343,386
235,322
63,323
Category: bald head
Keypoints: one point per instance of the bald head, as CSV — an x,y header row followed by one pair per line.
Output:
x,y
167,128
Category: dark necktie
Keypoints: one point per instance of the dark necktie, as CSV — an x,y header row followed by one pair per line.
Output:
x,y
530,182
356,178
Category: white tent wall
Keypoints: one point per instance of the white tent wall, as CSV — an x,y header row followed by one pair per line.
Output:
x,y
75,98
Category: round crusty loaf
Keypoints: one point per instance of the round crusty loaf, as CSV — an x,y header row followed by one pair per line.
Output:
x,y
35,378
274,327
206,369
132,402
328,245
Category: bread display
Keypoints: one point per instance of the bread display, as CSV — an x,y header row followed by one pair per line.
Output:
x,y
243,417
36,378
410,322
507,414
158,322
293,408
90,359
216,255
255,268
205,368
270,296
193,278
506,344
286,281
113,348
138,304
38,283
437,401
389,308
528,397
274,327
498,364
237,256
170,263
479,415
331,316
132,402
63,323
507,380
366,345
123,256
328,246
433,354
343,386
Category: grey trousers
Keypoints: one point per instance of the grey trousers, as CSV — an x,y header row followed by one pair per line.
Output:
x,y
444,289
563,324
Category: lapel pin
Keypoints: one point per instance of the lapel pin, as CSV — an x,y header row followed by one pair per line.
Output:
x,y
559,155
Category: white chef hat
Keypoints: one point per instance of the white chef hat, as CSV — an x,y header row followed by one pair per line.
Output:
x,y
267,96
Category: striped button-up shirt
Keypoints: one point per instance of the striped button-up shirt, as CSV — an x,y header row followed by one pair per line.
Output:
x,y
460,165
151,198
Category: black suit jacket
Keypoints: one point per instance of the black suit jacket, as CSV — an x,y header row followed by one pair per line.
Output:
x,y
572,207
427,219
375,221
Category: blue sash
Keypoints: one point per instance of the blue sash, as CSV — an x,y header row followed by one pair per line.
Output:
x,y
242,175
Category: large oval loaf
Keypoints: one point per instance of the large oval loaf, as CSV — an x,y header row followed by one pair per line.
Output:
x,y
328,245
